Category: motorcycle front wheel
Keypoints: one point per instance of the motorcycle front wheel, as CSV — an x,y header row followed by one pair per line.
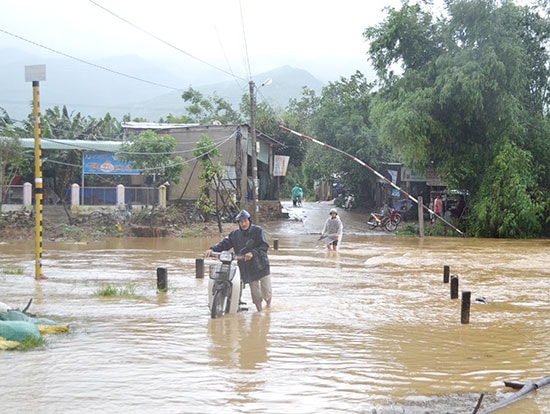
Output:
x,y
219,304
372,223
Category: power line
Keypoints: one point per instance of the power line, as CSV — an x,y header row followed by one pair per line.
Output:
x,y
90,63
245,43
163,41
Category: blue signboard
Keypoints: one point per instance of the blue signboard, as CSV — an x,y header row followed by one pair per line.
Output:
x,y
98,162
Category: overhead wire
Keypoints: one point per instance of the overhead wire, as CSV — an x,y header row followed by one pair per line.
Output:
x,y
247,58
163,41
217,143
100,138
116,72
245,42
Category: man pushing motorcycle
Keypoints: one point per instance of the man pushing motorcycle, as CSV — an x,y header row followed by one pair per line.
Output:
x,y
249,240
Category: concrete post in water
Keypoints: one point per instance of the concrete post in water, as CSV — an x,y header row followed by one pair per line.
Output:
x,y
465,309
454,287
162,279
446,271
276,244
199,268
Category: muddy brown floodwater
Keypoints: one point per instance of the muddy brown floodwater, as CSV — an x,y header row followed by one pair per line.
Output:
x,y
370,328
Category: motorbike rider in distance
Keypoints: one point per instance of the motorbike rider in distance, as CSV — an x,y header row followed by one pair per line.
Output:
x,y
297,194
249,240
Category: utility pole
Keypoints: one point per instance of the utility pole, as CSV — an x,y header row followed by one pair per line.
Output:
x,y
255,206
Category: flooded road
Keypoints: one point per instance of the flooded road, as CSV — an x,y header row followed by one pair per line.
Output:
x,y
370,328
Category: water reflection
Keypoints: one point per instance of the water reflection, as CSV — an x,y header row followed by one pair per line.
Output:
x,y
239,341
369,327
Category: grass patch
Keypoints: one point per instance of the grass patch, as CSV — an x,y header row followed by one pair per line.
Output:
x,y
30,343
14,271
409,230
112,291
86,233
440,229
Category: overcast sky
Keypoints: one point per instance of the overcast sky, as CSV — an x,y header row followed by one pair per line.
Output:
x,y
240,37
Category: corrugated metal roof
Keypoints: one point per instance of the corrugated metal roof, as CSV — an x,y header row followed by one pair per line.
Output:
x,y
154,125
67,144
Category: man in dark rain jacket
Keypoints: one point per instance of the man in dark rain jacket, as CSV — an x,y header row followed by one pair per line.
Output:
x,y
249,240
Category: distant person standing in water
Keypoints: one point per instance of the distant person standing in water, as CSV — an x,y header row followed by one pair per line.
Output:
x,y
438,207
332,230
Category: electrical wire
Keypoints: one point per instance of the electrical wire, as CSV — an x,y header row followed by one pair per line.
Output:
x,y
162,40
90,63
218,141
245,42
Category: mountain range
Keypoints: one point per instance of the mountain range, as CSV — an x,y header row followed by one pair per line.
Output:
x,y
134,85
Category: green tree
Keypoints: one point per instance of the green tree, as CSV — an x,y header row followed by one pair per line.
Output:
x,y
299,117
153,155
342,121
12,162
206,110
455,91
63,167
506,204
205,150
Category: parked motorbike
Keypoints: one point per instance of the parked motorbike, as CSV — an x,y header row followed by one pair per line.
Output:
x,y
388,222
349,202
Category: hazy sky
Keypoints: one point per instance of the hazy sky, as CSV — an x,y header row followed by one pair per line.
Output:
x,y
238,36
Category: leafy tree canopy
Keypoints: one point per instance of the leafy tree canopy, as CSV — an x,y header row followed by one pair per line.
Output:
x,y
457,90
153,155
206,110
205,151
342,121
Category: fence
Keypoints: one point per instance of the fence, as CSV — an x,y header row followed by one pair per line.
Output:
x,y
109,196
16,195
12,195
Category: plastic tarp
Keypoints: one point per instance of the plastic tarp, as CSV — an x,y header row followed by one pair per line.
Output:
x,y
18,326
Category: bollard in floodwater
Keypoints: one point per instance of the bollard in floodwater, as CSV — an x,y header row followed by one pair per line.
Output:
x,y
446,271
454,287
465,309
276,244
162,279
199,268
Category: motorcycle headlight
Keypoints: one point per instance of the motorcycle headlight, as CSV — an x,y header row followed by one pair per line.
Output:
x,y
226,256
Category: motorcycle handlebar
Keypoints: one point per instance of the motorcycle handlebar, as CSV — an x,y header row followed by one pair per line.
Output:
x,y
233,257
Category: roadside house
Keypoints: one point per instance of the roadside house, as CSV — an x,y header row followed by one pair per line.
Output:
x,y
235,144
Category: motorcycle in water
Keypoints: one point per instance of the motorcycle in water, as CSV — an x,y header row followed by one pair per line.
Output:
x,y
225,286
387,221
349,202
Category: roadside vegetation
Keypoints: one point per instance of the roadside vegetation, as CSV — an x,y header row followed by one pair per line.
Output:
x,y
465,95
113,291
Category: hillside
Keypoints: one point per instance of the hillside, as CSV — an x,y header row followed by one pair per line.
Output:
x,y
149,90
